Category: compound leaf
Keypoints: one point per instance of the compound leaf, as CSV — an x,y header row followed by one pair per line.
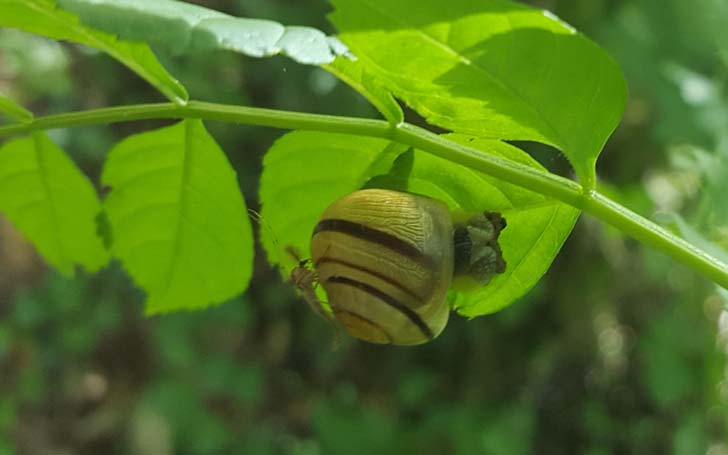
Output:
x,y
304,172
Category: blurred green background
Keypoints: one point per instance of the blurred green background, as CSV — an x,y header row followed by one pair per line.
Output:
x,y
617,350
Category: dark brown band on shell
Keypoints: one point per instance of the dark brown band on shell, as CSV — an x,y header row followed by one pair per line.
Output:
x,y
369,234
374,273
368,321
386,298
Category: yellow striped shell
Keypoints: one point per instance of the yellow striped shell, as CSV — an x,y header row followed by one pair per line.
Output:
x,y
385,260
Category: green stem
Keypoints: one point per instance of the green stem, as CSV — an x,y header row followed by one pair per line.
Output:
x,y
542,182
209,111
571,193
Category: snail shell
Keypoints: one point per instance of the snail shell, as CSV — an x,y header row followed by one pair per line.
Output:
x,y
385,259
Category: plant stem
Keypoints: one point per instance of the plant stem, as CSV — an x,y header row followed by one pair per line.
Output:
x,y
570,192
208,111
538,181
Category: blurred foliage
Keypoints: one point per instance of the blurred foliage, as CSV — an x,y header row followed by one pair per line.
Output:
x,y
617,350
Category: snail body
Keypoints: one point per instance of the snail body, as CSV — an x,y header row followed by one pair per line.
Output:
x,y
387,259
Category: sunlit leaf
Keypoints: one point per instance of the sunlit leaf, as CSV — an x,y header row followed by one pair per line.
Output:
x,y
42,17
178,220
305,172
51,202
352,72
185,27
491,68
537,225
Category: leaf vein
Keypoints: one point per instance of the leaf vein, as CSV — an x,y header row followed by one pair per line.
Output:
x,y
12,175
177,236
124,184
127,218
52,213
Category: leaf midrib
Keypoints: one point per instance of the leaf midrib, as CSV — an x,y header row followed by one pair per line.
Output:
x,y
48,196
177,237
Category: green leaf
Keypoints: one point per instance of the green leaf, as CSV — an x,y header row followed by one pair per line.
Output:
x,y
491,68
184,27
42,17
352,72
304,172
51,202
13,110
537,225
178,220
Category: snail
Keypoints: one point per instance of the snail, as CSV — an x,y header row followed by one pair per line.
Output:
x,y
387,259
